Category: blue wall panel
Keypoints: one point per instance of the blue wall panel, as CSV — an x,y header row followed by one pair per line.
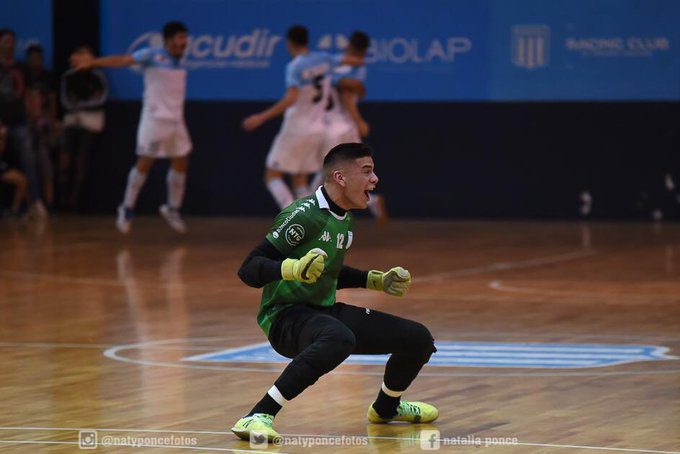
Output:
x,y
32,22
427,50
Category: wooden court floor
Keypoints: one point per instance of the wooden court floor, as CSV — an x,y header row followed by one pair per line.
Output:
x,y
96,329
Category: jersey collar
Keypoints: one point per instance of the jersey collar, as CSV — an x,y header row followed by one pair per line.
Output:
x,y
324,203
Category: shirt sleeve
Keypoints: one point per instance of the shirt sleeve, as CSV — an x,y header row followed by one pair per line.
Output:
x,y
292,227
143,56
261,266
352,278
293,78
335,60
360,73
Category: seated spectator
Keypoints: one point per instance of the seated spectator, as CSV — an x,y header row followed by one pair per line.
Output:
x,y
37,76
83,94
40,139
10,175
13,115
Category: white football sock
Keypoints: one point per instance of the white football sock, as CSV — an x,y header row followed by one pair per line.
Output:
x,y
391,393
279,190
135,182
301,191
275,394
176,182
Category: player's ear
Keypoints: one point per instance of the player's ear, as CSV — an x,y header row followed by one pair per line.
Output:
x,y
339,178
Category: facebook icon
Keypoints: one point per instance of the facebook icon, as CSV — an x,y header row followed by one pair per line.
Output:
x,y
429,440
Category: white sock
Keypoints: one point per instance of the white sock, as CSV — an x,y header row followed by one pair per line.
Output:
x,y
279,190
374,206
135,182
391,393
275,394
317,181
301,191
176,182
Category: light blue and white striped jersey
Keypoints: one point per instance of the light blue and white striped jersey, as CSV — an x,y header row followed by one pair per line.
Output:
x,y
336,112
165,80
310,73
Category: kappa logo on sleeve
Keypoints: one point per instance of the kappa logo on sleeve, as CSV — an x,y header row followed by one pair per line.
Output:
x,y
294,234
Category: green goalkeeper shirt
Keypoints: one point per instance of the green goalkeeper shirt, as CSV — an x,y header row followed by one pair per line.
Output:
x,y
306,224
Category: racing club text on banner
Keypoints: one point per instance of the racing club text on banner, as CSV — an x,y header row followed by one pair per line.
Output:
x,y
428,50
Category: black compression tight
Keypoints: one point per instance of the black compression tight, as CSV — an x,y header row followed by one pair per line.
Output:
x,y
318,339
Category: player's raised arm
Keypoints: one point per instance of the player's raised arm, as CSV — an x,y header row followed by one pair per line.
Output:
x,y
256,120
82,61
266,264
395,282
353,60
349,93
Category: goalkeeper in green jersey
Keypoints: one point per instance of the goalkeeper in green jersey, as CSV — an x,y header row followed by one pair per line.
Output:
x,y
300,265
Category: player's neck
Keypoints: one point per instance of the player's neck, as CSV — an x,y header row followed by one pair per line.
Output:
x,y
333,197
300,51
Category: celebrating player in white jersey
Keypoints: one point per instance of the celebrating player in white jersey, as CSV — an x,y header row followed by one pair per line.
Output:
x,y
162,132
303,130
344,123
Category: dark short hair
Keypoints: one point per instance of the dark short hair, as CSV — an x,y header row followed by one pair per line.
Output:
x,y
7,31
85,48
298,35
359,40
345,152
35,48
170,29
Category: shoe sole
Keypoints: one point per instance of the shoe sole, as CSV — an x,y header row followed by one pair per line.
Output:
x,y
419,420
123,230
245,435
166,216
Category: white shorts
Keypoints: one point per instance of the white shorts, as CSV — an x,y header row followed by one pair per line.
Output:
x,y
295,153
158,138
337,133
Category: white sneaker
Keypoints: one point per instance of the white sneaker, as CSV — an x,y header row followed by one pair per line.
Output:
x,y
124,220
38,211
171,215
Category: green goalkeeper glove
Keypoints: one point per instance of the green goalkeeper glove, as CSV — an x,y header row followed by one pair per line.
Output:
x,y
394,282
307,269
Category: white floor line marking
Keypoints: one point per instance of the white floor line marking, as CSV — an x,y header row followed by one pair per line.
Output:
x,y
73,429
73,280
49,345
52,345
39,442
137,446
502,266
546,445
483,334
114,353
597,448
111,282
432,277
498,285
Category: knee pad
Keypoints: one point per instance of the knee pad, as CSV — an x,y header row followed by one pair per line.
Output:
x,y
422,341
343,342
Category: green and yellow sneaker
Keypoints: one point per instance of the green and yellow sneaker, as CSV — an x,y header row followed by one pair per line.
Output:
x,y
257,425
415,412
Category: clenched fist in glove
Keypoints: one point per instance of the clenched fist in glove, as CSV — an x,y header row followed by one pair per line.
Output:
x,y
393,282
306,269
